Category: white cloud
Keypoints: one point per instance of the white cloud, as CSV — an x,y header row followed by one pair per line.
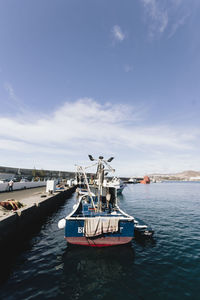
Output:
x,y
166,15
158,15
118,34
17,104
86,126
10,90
180,22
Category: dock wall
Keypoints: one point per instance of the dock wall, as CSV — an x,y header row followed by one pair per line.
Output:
x,y
22,185
15,225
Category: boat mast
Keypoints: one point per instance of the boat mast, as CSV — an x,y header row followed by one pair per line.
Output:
x,y
100,176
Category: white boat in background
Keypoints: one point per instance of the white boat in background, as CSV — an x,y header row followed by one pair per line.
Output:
x,y
132,180
116,183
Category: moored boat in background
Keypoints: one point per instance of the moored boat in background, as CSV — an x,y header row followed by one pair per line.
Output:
x,y
116,183
146,180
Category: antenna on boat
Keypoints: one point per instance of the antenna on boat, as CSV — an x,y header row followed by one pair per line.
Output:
x,y
91,158
110,159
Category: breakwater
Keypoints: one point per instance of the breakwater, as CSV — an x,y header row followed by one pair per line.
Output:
x,y
11,171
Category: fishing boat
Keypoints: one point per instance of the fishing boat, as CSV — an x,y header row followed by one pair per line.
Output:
x,y
96,219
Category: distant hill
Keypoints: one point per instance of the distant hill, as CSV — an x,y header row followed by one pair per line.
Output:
x,y
189,173
182,175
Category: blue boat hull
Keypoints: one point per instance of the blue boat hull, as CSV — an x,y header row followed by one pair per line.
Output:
x,y
74,234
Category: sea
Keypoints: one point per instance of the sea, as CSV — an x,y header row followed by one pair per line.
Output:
x,y
167,266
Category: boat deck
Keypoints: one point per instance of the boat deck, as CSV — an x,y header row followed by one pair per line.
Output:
x,y
85,209
98,214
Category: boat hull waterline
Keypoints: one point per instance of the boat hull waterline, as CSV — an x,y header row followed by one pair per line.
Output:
x,y
99,242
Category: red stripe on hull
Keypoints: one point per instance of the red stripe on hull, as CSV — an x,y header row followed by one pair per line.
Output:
x,y
99,242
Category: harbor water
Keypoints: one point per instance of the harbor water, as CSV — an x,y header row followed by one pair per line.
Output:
x,y
166,267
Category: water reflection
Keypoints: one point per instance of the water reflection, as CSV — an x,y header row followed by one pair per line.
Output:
x,y
87,271
145,242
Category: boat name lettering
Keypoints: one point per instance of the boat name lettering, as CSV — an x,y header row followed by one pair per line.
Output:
x,y
80,229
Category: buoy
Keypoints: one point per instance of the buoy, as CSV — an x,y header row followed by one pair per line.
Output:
x,y
61,224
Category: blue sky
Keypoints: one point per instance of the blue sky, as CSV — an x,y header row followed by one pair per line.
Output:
x,y
100,77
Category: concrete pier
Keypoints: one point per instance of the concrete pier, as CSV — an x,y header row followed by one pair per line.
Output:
x,y
21,194
14,225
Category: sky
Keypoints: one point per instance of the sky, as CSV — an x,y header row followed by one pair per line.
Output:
x,y
112,78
